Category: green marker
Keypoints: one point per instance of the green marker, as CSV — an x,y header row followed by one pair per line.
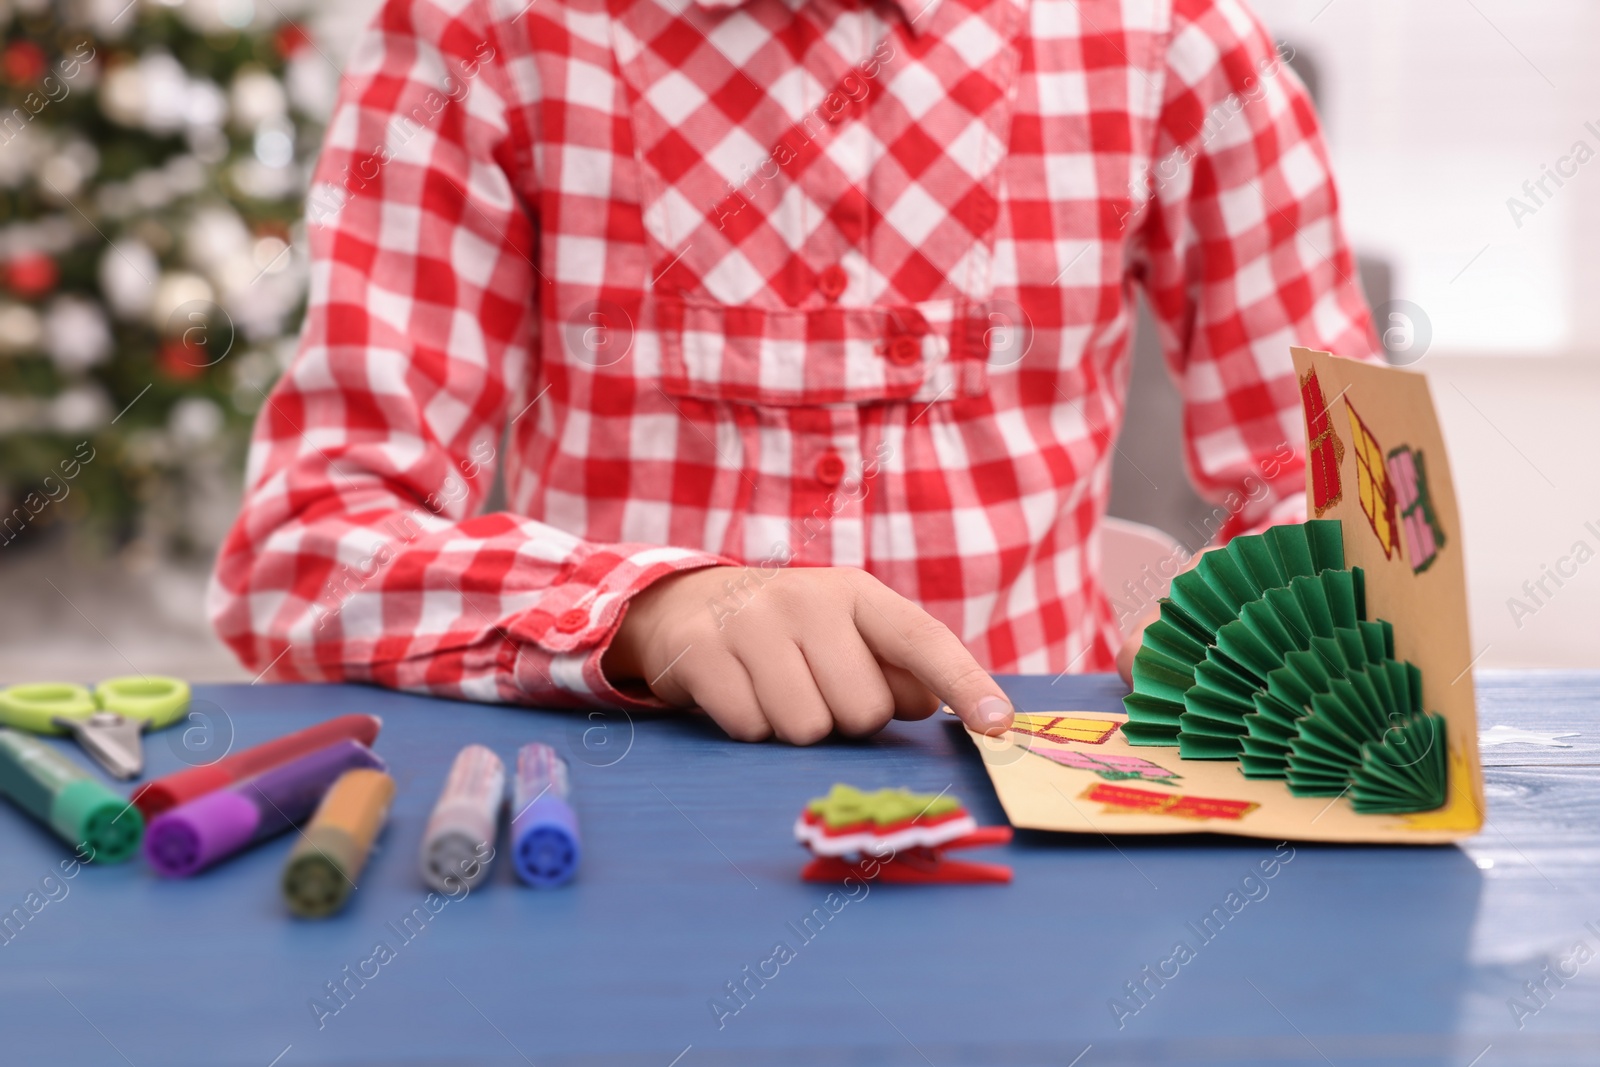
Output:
x,y
60,794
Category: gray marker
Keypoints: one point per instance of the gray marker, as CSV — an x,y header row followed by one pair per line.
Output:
x,y
458,845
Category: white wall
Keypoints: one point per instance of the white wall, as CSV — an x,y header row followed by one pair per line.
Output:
x,y
1437,114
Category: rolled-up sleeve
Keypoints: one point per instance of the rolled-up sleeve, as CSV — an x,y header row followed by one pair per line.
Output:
x,y
1240,249
359,553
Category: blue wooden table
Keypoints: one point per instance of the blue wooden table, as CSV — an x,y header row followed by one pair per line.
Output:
x,y
1347,955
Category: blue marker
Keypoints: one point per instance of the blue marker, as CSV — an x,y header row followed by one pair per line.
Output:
x,y
544,830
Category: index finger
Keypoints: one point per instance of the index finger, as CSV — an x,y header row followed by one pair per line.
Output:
x,y
902,634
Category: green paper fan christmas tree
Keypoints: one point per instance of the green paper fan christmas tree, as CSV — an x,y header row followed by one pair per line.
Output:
x,y
1263,654
1204,600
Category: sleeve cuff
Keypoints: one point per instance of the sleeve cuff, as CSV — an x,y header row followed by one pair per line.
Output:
x,y
578,615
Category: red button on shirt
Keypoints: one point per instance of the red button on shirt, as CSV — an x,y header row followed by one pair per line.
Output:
x,y
830,469
832,281
570,622
904,351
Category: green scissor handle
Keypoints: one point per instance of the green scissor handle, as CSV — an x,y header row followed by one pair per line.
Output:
x,y
32,706
36,705
159,701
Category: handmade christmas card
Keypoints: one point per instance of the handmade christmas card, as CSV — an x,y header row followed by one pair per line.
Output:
x,y
1311,682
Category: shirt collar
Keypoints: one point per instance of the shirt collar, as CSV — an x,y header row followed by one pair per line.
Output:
x,y
917,13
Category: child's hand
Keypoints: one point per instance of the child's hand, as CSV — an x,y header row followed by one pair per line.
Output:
x,y
799,654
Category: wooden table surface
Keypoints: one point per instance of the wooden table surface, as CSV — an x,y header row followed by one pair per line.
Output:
x,y
1352,955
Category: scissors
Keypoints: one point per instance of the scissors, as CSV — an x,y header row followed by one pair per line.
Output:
x,y
107,721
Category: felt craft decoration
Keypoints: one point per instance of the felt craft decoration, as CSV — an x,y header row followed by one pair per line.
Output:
x,y
894,835
1312,681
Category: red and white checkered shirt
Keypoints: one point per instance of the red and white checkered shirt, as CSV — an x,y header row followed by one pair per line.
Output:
x,y
790,282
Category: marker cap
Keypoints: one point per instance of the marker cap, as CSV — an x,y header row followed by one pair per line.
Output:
x,y
453,860
544,842
192,837
88,812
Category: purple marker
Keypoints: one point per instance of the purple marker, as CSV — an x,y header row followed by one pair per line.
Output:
x,y
191,837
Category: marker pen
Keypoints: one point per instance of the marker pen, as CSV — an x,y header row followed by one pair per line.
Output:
x,y
327,860
195,835
544,830
155,797
458,845
63,796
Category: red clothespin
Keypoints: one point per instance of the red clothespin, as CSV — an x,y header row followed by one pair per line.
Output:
x,y
894,835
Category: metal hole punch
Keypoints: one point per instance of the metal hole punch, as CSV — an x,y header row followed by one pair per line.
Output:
x,y
107,721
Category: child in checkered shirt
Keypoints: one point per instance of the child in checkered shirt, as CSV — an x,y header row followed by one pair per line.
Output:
x,y
799,332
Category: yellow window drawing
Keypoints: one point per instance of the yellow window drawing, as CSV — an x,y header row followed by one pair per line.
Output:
x,y
1373,489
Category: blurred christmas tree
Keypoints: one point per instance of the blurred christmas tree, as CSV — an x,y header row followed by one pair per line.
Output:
x,y
154,156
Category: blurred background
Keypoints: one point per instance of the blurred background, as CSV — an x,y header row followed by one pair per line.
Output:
x,y
154,156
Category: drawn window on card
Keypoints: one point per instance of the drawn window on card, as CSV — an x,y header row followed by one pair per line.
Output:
x,y
1372,483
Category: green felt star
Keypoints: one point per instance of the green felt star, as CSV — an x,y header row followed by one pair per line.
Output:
x,y
846,806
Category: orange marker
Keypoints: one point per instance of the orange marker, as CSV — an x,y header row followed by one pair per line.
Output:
x,y
328,858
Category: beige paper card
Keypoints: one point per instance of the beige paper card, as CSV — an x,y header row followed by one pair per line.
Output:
x,y
1377,464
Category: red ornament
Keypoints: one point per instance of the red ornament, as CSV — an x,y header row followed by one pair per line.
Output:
x,y
178,361
291,38
32,274
23,62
